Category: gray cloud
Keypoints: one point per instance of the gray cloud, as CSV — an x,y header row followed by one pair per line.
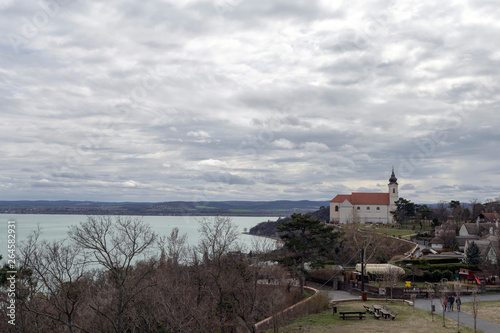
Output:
x,y
248,99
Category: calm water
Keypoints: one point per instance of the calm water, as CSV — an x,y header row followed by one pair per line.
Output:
x,y
55,227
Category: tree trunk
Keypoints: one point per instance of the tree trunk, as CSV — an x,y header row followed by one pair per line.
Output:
x,y
119,310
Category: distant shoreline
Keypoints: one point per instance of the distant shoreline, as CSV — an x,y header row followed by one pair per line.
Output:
x,y
270,237
130,214
174,208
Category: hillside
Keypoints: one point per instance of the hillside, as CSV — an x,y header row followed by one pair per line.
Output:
x,y
269,228
229,208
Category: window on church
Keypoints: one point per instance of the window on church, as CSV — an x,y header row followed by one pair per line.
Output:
x,y
359,208
367,208
378,208
393,190
336,208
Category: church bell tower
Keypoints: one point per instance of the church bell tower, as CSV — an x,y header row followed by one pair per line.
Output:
x,y
393,191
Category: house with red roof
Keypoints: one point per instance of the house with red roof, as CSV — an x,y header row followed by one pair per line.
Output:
x,y
362,207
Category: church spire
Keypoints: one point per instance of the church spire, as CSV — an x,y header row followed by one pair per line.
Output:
x,y
393,179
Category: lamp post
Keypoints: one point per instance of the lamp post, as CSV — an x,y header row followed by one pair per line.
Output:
x,y
362,269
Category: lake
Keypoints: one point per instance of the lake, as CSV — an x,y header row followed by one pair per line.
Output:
x,y
55,227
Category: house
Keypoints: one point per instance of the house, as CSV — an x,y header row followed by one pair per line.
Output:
x,y
445,255
362,207
445,229
492,217
445,236
436,244
489,247
461,240
485,224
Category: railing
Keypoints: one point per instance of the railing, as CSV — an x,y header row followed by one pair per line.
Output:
x,y
295,311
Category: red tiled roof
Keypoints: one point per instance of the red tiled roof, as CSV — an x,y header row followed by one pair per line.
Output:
x,y
359,198
492,217
342,198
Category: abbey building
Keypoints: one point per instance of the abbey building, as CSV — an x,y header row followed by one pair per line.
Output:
x,y
359,207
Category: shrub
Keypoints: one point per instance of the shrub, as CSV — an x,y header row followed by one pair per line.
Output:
x,y
436,276
448,275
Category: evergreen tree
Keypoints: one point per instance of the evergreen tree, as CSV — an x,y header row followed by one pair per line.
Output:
x,y
473,254
309,241
405,209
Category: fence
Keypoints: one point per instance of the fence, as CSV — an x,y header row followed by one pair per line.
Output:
x,y
303,308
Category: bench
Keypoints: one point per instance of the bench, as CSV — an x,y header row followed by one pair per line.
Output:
x,y
370,311
384,313
352,314
394,314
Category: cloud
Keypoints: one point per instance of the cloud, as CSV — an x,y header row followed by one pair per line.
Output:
x,y
274,100
315,146
225,178
283,144
407,187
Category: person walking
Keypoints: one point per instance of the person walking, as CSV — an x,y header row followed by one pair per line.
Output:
x,y
451,300
445,302
459,302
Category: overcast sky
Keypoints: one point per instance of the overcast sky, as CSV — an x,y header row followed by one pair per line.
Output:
x,y
248,99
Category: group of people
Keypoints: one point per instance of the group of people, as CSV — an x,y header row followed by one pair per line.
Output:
x,y
449,301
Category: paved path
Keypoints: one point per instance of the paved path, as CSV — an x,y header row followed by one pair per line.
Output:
x,y
425,304
465,318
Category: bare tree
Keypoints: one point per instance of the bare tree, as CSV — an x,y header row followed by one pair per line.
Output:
x,y
263,246
457,288
475,305
176,246
443,292
477,207
27,288
370,241
441,212
116,244
59,270
354,240
448,236
217,238
393,277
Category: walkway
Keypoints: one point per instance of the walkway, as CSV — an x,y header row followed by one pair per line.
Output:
x,y
425,304
465,318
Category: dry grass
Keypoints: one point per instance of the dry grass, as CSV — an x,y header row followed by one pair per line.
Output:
x,y
488,310
409,320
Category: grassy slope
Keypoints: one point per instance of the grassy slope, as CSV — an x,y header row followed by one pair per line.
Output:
x,y
409,320
487,310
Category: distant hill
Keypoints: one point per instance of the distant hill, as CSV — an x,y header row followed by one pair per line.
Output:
x,y
229,208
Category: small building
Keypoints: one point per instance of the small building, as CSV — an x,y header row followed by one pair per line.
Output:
x,y
436,244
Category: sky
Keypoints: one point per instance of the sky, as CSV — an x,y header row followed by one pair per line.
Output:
x,y
201,100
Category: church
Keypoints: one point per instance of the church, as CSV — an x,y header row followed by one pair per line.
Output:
x,y
359,207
